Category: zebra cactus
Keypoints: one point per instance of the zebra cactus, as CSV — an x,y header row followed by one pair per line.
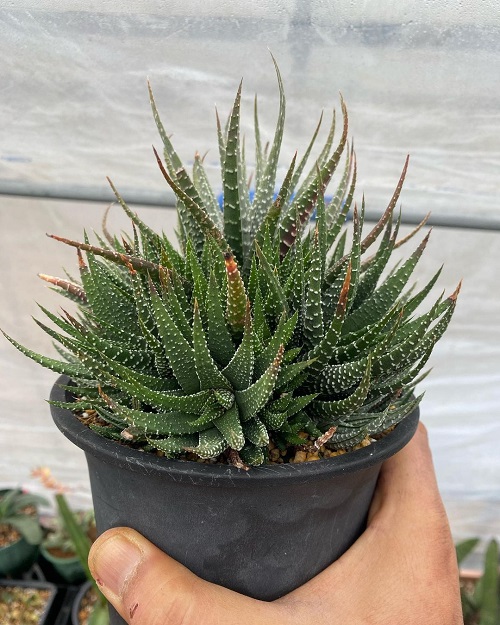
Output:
x,y
264,328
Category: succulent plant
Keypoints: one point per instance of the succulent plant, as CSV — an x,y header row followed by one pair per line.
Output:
x,y
18,510
264,326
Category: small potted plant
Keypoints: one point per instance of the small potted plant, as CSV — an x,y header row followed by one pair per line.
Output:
x,y
21,602
58,547
90,606
66,547
480,589
20,531
239,394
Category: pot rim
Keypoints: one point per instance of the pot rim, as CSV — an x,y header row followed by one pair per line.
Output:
x,y
17,542
224,475
49,556
472,575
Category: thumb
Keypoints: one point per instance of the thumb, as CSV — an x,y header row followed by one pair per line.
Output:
x,y
148,587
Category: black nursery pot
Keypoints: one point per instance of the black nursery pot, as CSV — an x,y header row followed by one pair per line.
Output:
x,y
75,608
261,532
47,612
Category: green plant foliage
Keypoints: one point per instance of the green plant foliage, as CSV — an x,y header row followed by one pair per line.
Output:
x,y
58,537
18,510
481,601
193,351
76,530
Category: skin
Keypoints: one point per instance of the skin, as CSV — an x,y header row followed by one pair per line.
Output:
x,y
401,571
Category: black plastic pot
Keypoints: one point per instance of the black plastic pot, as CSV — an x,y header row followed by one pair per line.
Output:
x,y
262,532
75,608
46,616
17,557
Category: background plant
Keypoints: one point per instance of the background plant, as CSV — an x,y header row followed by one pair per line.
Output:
x,y
481,601
73,532
19,510
82,544
265,326
58,536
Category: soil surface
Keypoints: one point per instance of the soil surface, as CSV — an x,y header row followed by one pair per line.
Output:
x,y
308,452
22,606
8,535
57,552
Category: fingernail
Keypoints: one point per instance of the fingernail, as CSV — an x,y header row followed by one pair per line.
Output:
x,y
115,561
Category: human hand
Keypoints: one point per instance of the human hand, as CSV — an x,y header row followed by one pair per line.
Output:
x,y
401,571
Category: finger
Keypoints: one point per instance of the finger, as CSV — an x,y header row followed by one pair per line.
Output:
x,y
148,587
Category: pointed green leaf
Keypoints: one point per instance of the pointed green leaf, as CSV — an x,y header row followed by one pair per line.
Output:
x,y
236,296
211,444
206,370
323,352
259,153
337,410
161,400
196,212
313,312
176,309
240,369
255,397
299,403
379,226
281,336
252,455
232,215
156,423
372,272
304,159
288,373
384,297
261,327
256,432
295,285
206,192
489,595
174,445
71,370
335,379
276,291
337,220
179,353
229,426
271,220
149,234
265,190
219,340
197,278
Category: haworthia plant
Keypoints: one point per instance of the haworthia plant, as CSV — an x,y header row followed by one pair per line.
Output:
x,y
262,326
